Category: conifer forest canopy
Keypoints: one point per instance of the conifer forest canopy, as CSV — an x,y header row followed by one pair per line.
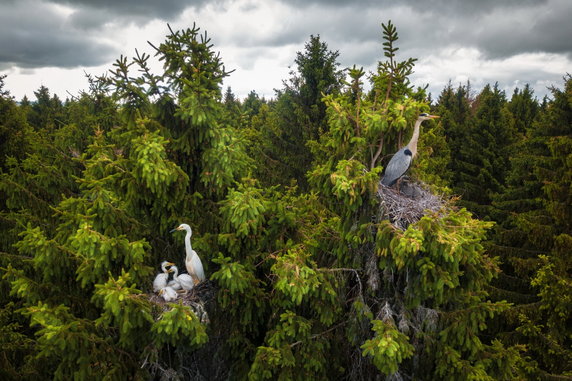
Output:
x,y
313,270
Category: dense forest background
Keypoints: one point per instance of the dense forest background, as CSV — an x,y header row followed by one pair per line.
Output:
x,y
309,281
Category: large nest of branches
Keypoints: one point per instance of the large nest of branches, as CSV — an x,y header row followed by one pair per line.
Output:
x,y
406,202
197,299
205,363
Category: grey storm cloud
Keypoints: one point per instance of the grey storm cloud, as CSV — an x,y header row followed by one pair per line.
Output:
x,y
498,28
34,34
454,6
145,9
530,30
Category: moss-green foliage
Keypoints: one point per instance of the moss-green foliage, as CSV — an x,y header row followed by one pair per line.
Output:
x,y
87,275
298,273
307,282
298,114
388,347
480,132
15,132
550,331
532,234
83,260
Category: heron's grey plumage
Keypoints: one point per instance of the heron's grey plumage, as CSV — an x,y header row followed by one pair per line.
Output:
x,y
397,166
401,161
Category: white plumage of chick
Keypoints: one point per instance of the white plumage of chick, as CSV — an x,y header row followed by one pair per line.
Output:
x,y
174,284
168,294
184,280
160,280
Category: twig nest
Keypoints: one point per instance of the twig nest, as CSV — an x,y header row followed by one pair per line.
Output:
x,y
197,299
406,202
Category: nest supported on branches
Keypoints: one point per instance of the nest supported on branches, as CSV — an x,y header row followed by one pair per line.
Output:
x,y
197,299
406,202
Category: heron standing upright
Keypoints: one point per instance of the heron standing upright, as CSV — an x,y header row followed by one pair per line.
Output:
x,y
192,260
401,161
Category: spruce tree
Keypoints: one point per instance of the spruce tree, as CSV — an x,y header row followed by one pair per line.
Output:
x,y
480,147
522,196
530,238
299,113
14,129
454,108
547,329
317,288
16,140
86,252
32,184
82,287
523,108
424,324
47,111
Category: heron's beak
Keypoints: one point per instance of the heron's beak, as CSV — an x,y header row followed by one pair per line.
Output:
x,y
170,264
174,230
434,116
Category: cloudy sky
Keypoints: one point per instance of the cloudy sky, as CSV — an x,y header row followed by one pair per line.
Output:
x,y
513,42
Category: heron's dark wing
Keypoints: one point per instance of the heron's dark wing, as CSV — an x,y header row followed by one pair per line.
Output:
x,y
397,166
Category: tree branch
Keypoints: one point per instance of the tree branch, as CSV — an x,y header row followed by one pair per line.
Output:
x,y
347,269
320,334
377,153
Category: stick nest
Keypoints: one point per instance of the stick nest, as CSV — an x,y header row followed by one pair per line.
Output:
x,y
197,299
407,202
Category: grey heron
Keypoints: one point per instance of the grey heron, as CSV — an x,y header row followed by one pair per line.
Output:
x,y
401,161
192,261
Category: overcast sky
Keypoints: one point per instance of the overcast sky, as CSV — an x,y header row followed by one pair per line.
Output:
x,y
512,42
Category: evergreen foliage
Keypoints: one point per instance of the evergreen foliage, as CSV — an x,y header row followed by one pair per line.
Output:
x,y
454,108
14,129
308,278
533,238
480,140
298,115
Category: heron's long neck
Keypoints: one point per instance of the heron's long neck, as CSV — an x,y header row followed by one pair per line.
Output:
x,y
188,247
175,272
412,145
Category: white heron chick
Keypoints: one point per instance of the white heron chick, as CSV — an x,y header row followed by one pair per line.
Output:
x,y
160,280
174,284
192,261
184,280
168,294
